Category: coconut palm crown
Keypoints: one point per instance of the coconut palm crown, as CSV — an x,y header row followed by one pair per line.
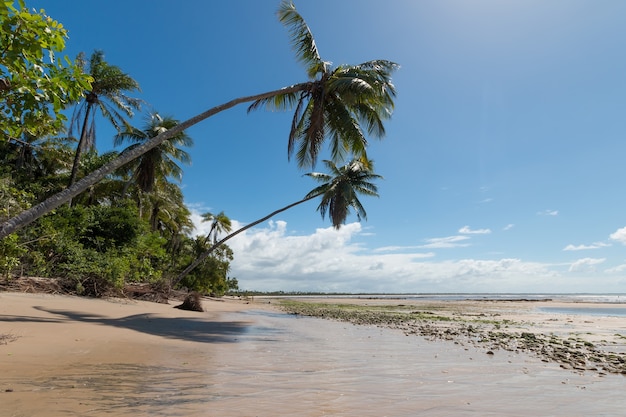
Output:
x,y
220,223
340,189
160,161
107,94
337,103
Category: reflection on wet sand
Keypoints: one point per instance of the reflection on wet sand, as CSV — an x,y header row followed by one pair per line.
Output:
x,y
120,388
330,368
266,363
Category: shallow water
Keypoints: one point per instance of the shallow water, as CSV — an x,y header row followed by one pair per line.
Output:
x,y
314,367
282,365
588,311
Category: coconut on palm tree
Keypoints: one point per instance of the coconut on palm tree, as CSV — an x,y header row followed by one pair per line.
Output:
x,y
339,104
107,95
339,191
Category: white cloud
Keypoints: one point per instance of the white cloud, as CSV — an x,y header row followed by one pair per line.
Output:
x,y
548,213
268,258
467,230
616,269
508,227
272,257
596,245
394,248
445,242
585,264
326,260
619,235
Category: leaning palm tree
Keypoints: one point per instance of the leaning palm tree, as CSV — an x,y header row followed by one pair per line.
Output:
x,y
339,191
337,103
332,104
220,223
107,95
105,191
160,161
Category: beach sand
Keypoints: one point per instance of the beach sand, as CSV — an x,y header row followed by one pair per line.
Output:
x,y
88,357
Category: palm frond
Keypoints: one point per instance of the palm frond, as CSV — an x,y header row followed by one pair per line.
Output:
x,y
340,189
347,135
160,162
284,101
111,114
301,39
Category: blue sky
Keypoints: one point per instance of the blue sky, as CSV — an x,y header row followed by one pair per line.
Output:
x,y
503,162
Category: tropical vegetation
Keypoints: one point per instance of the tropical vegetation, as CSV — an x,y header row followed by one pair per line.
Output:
x,y
127,221
107,94
36,82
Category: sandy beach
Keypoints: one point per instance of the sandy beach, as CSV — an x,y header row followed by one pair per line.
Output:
x,y
70,356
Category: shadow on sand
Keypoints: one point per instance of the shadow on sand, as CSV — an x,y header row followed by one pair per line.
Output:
x,y
182,328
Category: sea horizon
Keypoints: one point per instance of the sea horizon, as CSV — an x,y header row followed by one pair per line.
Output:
x,y
583,297
614,304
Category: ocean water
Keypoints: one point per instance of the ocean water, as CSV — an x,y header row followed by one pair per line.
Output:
x,y
579,304
589,311
617,298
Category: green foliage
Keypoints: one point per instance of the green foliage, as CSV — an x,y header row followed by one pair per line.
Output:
x,y
108,86
150,258
220,223
94,248
111,227
10,253
12,199
340,189
160,162
38,165
35,85
103,240
211,276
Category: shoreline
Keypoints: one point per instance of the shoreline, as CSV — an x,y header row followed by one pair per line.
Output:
x,y
578,342
101,357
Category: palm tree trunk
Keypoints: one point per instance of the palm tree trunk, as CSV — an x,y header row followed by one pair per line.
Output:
x,y
80,146
32,214
205,254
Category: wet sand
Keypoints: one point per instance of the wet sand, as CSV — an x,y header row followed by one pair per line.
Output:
x,y
86,357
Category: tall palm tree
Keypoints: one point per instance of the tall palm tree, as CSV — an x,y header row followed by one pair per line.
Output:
x,y
166,210
337,102
107,94
366,89
160,161
339,191
220,223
